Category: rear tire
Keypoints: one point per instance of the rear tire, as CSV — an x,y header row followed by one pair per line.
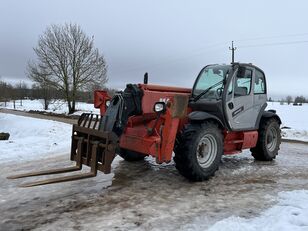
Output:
x,y
198,151
131,156
269,140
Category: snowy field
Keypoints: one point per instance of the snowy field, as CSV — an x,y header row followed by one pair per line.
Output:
x,y
294,120
59,107
32,138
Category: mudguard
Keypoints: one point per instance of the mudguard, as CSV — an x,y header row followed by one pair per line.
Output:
x,y
270,114
201,115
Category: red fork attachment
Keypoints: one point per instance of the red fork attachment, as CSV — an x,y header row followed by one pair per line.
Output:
x,y
91,146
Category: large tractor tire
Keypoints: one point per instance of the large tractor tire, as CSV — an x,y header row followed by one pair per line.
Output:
x,y
131,156
198,151
269,140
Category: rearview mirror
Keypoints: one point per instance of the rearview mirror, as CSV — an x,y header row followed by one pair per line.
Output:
x,y
216,71
241,72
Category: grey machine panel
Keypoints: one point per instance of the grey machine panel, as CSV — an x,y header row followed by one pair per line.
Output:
x,y
243,106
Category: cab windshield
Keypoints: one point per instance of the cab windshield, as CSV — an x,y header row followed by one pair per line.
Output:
x,y
208,77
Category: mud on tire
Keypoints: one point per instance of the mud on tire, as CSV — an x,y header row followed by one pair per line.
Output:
x,y
198,151
129,155
269,140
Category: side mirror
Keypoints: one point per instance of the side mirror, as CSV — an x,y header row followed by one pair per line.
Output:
x,y
159,107
219,92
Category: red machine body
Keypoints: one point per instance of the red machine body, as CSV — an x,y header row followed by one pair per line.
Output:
x,y
155,135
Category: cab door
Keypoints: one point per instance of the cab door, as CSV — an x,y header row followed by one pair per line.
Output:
x,y
239,107
260,96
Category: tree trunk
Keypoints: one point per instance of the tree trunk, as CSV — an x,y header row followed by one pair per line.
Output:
x,y
70,107
45,104
68,98
74,96
73,106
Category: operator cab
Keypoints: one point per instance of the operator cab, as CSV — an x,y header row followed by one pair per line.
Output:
x,y
233,94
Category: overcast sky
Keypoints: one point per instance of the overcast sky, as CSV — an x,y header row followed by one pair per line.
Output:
x,y
171,40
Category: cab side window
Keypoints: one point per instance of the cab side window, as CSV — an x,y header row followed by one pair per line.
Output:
x,y
259,86
243,82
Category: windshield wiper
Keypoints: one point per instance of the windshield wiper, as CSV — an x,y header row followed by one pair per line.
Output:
x,y
206,90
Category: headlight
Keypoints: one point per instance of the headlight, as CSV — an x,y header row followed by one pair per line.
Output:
x,y
159,107
107,103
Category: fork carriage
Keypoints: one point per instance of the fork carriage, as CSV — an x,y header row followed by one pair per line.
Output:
x,y
90,146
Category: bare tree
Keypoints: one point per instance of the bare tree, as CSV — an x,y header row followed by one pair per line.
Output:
x,y
43,92
67,61
289,99
5,90
21,89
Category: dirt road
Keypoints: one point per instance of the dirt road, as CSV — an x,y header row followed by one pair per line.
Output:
x,y
38,116
144,196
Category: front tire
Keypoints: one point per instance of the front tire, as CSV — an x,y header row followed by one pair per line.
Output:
x,y
269,140
131,156
198,151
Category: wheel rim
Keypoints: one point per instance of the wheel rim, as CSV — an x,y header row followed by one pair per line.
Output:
x,y
206,150
271,139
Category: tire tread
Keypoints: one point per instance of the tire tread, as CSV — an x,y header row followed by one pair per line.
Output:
x,y
185,157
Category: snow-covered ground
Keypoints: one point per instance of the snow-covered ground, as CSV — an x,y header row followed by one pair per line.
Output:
x,y
294,120
290,213
32,138
59,107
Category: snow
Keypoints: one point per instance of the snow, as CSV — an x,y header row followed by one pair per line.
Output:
x,y
290,213
58,107
294,120
32,138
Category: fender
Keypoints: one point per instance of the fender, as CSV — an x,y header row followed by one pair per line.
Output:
x,y
201,115
271,114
